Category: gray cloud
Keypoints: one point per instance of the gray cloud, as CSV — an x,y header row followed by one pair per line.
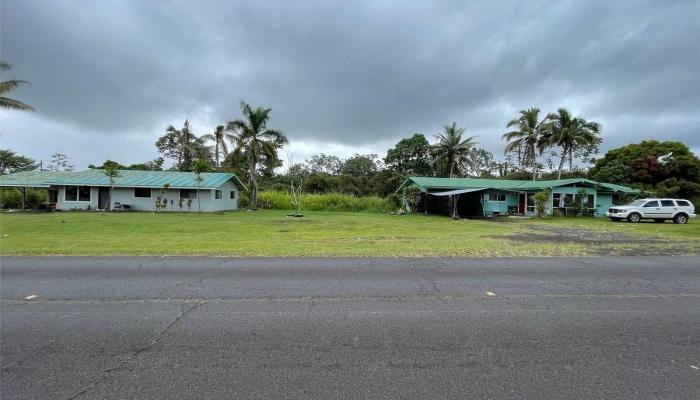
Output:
x,y
357,75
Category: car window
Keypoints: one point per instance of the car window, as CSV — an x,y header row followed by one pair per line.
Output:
x,y
667,203
652,204
683,203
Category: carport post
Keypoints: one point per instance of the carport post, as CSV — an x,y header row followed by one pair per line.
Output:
x,y
455,199
24,195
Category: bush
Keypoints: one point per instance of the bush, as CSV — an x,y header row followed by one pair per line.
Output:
x,y
12,198
244,199
323,202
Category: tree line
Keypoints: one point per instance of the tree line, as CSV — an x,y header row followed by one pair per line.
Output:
x,y
537,147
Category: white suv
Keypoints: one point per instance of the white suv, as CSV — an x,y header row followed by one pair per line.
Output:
x,y
657,209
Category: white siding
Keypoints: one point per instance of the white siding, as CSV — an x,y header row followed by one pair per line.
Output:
x,y
126,196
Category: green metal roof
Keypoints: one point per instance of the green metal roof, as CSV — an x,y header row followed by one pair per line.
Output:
x,y
126,178
427,183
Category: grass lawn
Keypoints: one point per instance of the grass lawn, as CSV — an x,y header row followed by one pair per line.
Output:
x,y
271,233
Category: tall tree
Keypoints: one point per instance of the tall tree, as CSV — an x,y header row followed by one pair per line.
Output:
x,y
219,137
530,139
322,163
360,165
410,156
59,162
11,162
7,86
452,150
257,141
183,146
572,135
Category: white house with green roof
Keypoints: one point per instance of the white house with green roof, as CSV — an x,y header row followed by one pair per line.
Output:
x,y
484,197
133,190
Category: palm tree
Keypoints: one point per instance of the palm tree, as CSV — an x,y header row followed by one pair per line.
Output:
x,y
451,150
571,133
200,166
255,140
6,86
219,138
185,144
531,137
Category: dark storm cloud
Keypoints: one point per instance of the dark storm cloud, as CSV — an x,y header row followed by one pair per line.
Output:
x,y
359,74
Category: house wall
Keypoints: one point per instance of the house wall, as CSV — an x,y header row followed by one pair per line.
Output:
x,y
500,207
126,196
603,202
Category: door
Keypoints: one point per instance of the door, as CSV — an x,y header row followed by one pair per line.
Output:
x,y
651,209
521,203
103,198
668,208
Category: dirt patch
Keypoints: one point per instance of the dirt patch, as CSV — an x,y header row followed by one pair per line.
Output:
x,y
605,243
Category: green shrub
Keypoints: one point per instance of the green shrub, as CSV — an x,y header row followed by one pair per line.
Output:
x,y
323,202
12,198
244,199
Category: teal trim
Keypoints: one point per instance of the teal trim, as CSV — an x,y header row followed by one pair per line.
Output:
x,y
427,183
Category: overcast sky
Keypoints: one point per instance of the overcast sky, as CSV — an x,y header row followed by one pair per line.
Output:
x,y
107,77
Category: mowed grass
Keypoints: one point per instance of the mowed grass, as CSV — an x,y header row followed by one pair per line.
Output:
x,y
272,233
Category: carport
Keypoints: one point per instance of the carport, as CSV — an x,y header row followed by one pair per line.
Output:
x,y
465,202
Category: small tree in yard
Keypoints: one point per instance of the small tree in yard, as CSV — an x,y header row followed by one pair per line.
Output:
x,y
189,204
111,172
411,196
180,201
541,199
199,167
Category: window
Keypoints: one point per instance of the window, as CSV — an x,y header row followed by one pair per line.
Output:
x,y
188,194
142,192
556,200
497,197
530,203
233,194
667,203
71,193
652,204
217,194
77,193
568,200
683,203
589,201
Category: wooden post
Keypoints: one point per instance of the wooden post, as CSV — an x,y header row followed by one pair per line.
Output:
x,y
425,208
24,196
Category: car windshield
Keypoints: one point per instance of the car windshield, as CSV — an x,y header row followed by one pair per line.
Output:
x,y
636,203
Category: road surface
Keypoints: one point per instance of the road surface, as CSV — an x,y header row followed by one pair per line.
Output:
x,y
186,328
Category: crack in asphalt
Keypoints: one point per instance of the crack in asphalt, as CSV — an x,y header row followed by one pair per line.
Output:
x,y
105,373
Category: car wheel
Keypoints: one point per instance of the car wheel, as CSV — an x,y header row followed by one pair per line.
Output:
x,y
615,219
634,217
659,220
680,219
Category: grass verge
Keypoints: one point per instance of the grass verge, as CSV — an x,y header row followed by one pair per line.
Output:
x,y
271,233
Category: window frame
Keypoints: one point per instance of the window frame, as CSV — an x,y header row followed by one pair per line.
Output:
x,y
150,193
498,197
218,194
232,195
77,194
673,203
190,193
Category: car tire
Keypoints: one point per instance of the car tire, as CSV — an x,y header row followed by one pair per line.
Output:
x,y
634,217
659,220
615,219
680,219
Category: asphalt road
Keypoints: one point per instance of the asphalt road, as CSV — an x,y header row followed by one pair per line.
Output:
x,y
199,328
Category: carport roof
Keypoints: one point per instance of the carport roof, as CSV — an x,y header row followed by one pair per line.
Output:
x,y
428,183
125,178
